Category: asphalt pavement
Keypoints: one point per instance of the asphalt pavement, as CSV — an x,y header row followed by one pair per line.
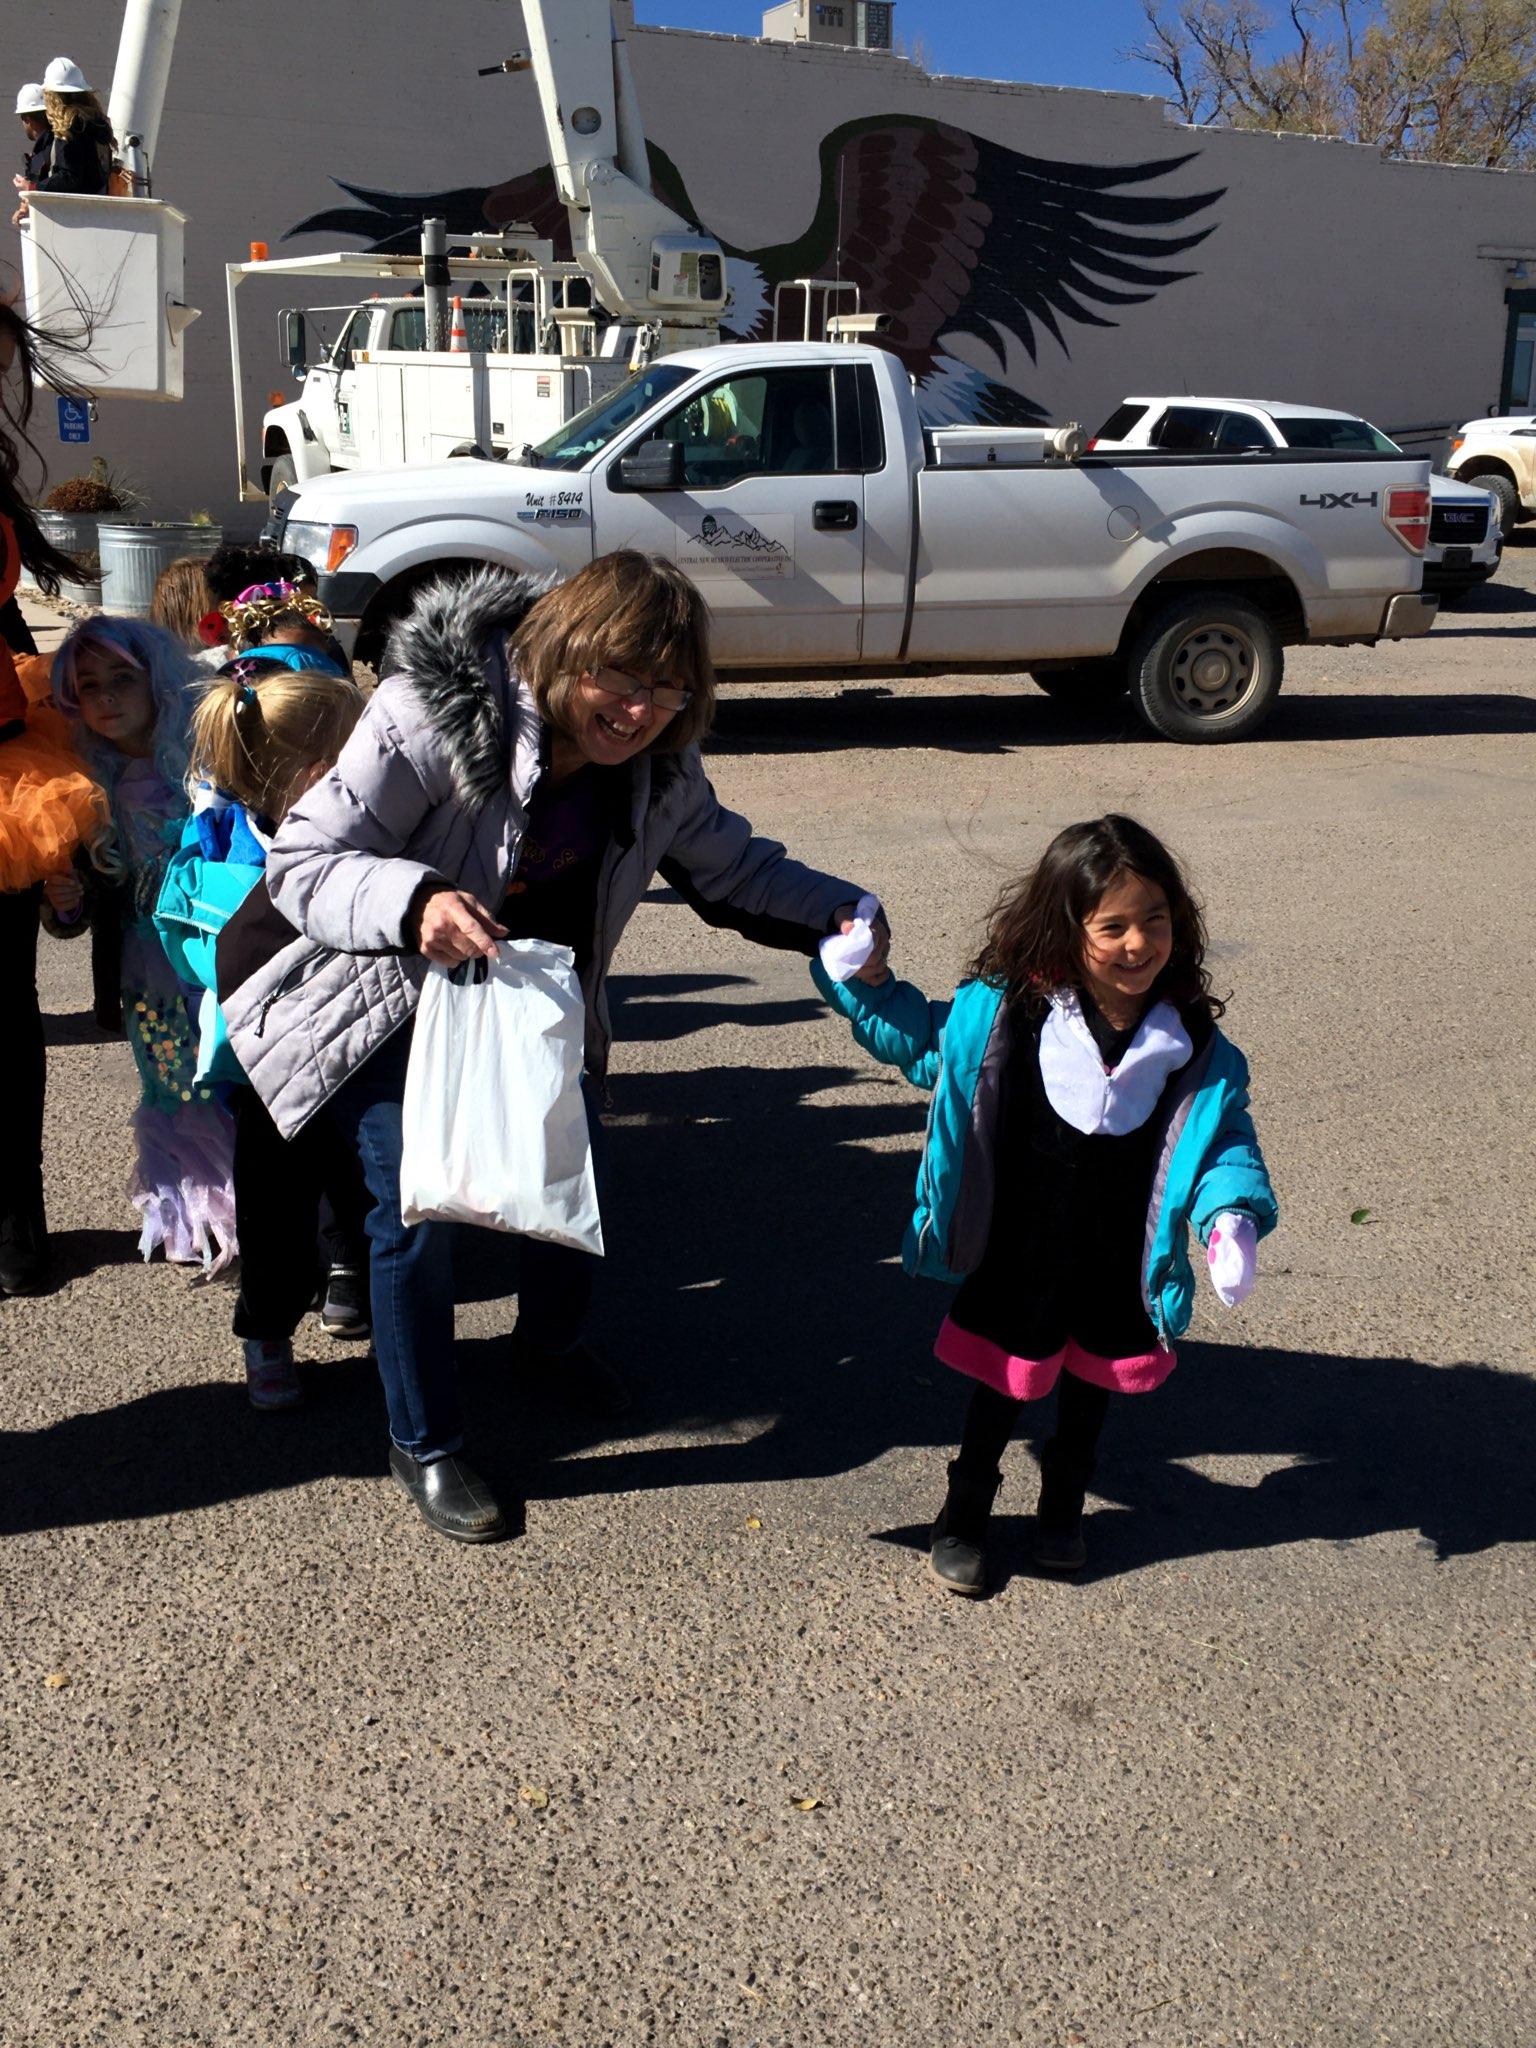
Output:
x,y
702,1756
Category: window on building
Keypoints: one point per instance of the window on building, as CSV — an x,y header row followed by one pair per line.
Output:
x,y
1522,383
877,24
829,17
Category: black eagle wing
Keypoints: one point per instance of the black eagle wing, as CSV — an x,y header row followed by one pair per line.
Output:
x,y
389,223
949,234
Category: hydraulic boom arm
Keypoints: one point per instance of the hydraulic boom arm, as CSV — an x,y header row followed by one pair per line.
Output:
x,y
645,262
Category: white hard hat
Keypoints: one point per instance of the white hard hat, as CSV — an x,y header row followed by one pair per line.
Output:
x,y
30,100
64,75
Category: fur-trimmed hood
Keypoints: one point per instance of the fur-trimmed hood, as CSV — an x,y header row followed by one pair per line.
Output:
x,y
452,648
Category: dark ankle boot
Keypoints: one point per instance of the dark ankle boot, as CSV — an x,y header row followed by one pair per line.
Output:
x,y
958,1558
1058,1544
24,1255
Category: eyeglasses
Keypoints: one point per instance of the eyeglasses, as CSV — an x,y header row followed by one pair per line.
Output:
x,y
664,696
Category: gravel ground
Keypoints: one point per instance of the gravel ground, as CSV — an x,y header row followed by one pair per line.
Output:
x,y
702,1757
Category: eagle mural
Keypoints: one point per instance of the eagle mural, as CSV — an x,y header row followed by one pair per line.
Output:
x,y
975,251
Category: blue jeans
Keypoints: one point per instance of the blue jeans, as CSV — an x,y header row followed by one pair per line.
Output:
x,y
411,1270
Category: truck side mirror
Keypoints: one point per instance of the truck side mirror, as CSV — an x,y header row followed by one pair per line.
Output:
x,y
652,466
296,342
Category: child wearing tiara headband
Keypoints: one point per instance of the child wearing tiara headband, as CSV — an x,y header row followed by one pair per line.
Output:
x,y
126,688
285,621
263,732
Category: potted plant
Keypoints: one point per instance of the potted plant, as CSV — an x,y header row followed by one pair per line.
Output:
x,y
70,517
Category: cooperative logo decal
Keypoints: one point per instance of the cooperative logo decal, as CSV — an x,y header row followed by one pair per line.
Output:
x,y
739,548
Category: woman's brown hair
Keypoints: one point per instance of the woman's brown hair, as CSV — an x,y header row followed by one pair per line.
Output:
x,y
67,111
182,599
629,611
1034,940
260,731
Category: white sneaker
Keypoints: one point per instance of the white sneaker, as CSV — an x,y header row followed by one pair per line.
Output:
x,y
271,1378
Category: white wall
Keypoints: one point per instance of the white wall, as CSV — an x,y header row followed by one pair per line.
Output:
x,y
1331,275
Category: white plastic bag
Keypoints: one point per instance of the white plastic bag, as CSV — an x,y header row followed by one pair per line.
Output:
x,y
495,1124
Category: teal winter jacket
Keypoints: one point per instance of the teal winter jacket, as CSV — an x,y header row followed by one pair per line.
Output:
x,y
220,860
1209,1159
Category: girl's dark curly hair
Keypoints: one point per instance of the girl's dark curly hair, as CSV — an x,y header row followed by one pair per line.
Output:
x,y
1034,939
34,358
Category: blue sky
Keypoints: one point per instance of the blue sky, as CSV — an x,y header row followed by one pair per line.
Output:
x,y
1080,43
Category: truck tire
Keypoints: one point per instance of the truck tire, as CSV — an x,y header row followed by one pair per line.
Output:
x,y
1508,508
1206,668
282,478
1087,685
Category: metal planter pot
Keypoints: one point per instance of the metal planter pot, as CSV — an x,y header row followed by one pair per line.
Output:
x,y
133,555
72,533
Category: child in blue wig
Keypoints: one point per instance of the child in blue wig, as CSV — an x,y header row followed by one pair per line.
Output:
x,y
127,689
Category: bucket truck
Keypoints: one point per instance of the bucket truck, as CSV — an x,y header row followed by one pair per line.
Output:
x,y
106,270
549,339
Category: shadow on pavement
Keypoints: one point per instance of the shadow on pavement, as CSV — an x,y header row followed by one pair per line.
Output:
x,y
754,1299
1002,721
75,1027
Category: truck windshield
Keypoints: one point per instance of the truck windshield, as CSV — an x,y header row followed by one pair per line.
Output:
x,y
1345,434
589,433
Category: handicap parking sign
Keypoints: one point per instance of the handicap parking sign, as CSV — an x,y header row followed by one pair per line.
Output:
x,y
74,419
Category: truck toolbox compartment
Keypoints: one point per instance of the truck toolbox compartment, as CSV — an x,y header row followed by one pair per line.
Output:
x,y
1004,447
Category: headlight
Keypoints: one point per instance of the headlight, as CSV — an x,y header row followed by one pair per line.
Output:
x,y
325,548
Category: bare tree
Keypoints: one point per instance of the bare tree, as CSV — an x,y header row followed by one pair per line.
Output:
x,y
1445,81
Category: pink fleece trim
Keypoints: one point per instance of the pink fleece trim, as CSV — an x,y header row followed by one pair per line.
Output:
x,y
1027,1379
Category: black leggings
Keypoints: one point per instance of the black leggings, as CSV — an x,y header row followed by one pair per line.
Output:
x,y
992,1418
279,1186
22,1058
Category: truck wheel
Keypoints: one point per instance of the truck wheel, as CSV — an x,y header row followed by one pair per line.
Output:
x,y
283,478
1206,668
1091,685
1507,507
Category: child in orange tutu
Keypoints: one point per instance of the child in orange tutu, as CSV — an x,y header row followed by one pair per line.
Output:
x,y
48,808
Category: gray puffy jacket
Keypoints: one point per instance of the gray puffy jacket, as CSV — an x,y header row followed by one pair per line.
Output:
x,y
434,784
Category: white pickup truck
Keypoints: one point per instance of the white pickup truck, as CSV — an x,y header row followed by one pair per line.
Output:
x,y
832,533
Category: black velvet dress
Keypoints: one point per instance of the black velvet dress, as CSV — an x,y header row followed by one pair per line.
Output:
x,y
1067,1242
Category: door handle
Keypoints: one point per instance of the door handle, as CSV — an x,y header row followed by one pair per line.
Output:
x,y
835,515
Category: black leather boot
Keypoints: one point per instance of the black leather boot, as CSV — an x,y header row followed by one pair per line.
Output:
x,y
958,1558
453,1498
1058,1544
25,1264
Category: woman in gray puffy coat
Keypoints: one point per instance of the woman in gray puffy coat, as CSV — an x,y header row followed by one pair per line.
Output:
x,y
526,767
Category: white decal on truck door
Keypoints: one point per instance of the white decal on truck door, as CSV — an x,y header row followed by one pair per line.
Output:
x,y
729,545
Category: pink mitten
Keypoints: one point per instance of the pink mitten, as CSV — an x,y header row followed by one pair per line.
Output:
x,y
1232,1251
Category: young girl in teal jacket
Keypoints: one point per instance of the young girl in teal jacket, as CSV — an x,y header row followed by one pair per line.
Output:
x,y
1087,1114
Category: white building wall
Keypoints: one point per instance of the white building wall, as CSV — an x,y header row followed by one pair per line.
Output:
x,y
1330,275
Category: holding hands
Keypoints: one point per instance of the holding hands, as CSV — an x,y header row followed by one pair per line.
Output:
x,y
1232,1253
859,948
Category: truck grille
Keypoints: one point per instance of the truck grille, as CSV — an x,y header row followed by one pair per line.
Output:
x,y
1458,524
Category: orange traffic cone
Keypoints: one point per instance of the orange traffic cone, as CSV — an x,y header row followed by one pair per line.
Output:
x,y
458,334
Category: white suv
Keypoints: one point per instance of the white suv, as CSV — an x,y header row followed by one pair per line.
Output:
x,y
1466,538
